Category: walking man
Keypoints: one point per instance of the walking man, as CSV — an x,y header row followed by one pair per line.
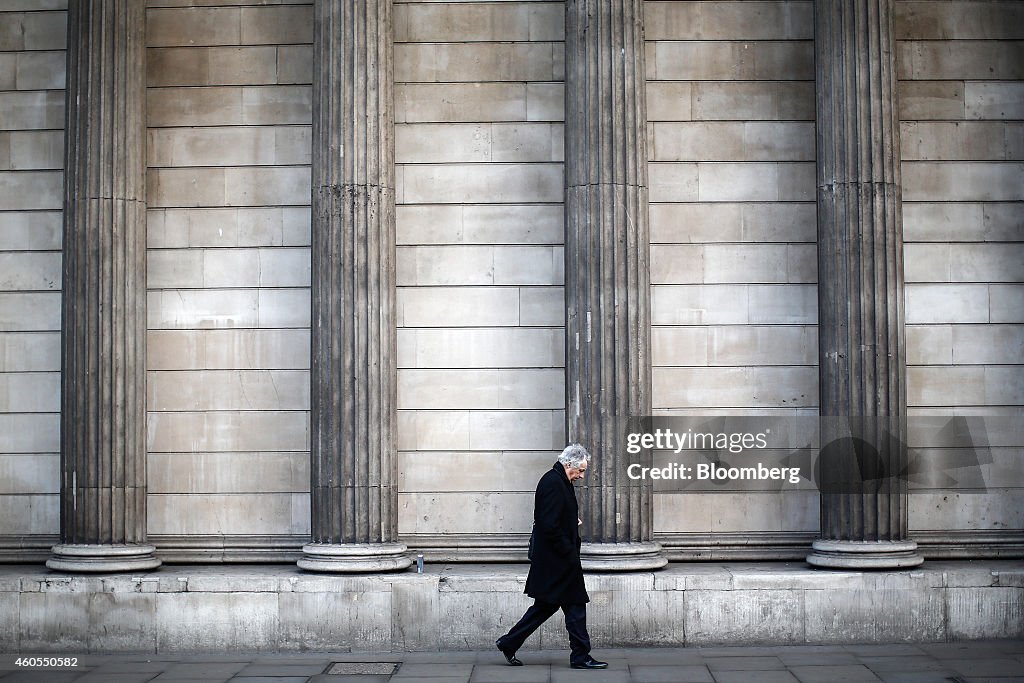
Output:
x,y
556,576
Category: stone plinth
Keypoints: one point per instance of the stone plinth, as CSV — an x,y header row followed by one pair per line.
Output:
x,y
282,609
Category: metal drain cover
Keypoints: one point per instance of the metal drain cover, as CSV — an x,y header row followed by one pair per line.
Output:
x,y
339,668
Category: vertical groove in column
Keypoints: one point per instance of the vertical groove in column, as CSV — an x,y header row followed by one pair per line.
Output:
x,y
353,373
862,363
103,380
608,373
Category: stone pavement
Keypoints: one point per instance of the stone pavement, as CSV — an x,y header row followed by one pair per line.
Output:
x,y
962,662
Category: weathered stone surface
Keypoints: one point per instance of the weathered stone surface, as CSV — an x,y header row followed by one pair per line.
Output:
x,y
228,431
861,338
31,150
735,386
719,60
481,348
744,616
31,110
228,227
234,472
462,306
26,515
1006,303
938,510
470,62
228,349
479,265
723,141
227,618
994,100
122,621
699,604
228,390
729,21
54,622
357,621
251,145
29,433
228,514
508,22
35,473
969,619
30,190
607,262
724,512
911,614
480,184
418,602
509,471
465,513
733,222
37,30
960,59
947,303
482,389
958,20
353,370
222,106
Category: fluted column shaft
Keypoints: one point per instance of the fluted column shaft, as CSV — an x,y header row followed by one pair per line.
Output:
x,y
353,372
608,369
103,378
862,362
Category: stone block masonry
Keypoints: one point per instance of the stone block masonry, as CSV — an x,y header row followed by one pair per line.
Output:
x,y
280,609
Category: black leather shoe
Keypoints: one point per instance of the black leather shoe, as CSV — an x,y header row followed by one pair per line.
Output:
x,y
590,664
510,657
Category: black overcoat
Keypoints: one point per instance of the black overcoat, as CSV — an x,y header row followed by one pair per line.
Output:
x,y
556,575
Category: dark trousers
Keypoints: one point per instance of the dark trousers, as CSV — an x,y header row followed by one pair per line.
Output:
x,y
539,612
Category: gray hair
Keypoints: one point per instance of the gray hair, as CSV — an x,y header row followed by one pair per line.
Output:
x,y
574,455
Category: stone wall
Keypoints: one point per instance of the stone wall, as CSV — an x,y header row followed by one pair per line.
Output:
x,y
960,66
281,609
479,143
730,99
229,270
32,57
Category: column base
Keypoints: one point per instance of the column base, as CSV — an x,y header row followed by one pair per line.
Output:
x,y
354,557
864,554
622,557
102,558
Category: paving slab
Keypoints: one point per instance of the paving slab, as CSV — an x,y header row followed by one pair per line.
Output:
x,y
856,673
643,673
498,673
754,677
102,677
913,677
414,671
986,667
969,662
818,658
289,669
191,669
568,675
739,663
40,676
909,663
346,678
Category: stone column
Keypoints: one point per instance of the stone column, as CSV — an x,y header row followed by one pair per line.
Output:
x,y
862,363
608,365
353,373
103,329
